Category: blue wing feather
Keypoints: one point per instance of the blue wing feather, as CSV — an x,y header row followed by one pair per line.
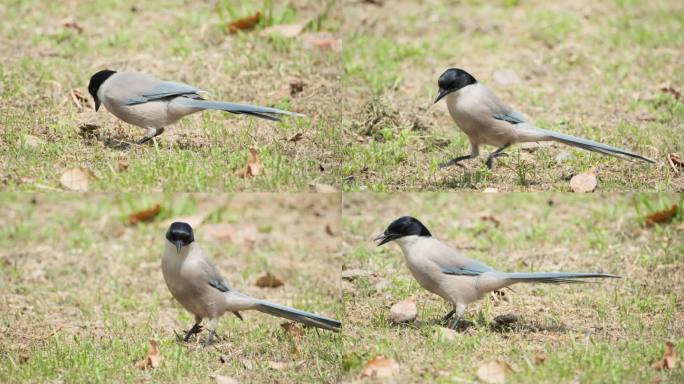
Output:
x,y
473,268
512,117
162,90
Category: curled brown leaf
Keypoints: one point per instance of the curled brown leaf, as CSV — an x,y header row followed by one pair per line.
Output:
x,y
380,367
661,217
669,360
245,23
144,216
153,358
253,166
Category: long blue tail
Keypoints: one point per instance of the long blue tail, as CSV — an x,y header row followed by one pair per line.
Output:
x,y
592,145
555,277
246,109
304,317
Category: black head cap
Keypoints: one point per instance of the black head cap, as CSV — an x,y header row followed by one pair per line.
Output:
x,y
180,234
452,80
403,226
95,81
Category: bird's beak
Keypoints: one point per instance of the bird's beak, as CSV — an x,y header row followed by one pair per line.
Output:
x,y
179,244
440,95
97,104
384,238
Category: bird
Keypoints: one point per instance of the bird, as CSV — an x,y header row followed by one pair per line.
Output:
x,y
195,282
456,278
142,100
486,120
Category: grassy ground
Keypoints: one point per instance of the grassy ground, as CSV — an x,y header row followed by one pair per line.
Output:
x,y
606,332
592,69
81,292
586,68
43,58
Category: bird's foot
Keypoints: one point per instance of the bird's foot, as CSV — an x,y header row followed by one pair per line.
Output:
x,y
453,325
491,158
209,339
197,328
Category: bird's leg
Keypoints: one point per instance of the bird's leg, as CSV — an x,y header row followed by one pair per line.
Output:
x,y
448,316
474,152
151,133
197,328
213,323
495,154
460,309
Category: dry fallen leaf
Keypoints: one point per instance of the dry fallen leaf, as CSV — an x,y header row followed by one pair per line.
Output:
x,y
292,329
669,360
295,333
268,281
245,23
77,179
661,217
494,372
253,166
380,367
78,98
144,215
153,358
584,182
404,311
675,162
285,30
225,380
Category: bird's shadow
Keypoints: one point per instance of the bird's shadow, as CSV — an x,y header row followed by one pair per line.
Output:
x,y
116,142
507,323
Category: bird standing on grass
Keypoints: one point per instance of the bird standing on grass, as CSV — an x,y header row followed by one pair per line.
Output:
x,y
196,284
142,100
487,120
456,278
